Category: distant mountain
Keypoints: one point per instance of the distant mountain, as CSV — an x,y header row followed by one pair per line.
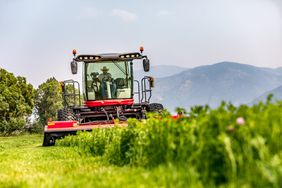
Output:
x,y
159,71
234,82
277,95
278,70
275,70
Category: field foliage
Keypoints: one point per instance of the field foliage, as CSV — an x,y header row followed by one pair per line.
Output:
x,y
228,146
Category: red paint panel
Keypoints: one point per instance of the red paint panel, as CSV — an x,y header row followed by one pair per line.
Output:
x,y
109,102
175,117
61,124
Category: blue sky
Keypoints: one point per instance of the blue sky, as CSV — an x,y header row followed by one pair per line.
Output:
x,y
37,37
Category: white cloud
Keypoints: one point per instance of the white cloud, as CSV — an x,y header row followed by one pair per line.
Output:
x,y
124,15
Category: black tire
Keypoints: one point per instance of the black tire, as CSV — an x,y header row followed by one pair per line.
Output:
x,y
48,140
155,107
65,115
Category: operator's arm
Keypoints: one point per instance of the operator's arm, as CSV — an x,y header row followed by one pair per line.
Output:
x,y
109,77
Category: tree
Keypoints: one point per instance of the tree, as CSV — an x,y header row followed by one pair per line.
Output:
x,y
48,100
16,102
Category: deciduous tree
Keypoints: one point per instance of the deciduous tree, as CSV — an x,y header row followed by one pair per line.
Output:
x,y
16,102
48,100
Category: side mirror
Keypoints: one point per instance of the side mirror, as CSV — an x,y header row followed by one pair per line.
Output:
x,y
146,65
74,67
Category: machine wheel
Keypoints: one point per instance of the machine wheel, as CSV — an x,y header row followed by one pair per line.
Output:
x,y
48,140
155,107
66,115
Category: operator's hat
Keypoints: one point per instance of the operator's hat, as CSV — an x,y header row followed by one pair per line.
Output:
x,y
104,69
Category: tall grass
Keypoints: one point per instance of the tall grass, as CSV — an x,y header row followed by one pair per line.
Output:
x,y
229,146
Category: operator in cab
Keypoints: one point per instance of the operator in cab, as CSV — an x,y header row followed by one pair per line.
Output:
x,y
107,82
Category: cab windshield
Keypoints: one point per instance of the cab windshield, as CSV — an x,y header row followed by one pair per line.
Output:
x,y
108,80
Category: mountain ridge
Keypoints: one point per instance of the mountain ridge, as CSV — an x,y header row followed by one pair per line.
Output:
x,y
210,84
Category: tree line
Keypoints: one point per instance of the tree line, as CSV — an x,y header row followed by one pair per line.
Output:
x,y
25,108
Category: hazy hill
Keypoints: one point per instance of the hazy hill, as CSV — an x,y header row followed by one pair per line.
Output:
x,y
277,95
238,83
159,71
278,70
275,70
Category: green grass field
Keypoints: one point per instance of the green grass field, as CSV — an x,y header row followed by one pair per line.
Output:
x,y
24,163
224,147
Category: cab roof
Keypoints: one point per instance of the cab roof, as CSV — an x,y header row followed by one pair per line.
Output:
x,y
109,56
